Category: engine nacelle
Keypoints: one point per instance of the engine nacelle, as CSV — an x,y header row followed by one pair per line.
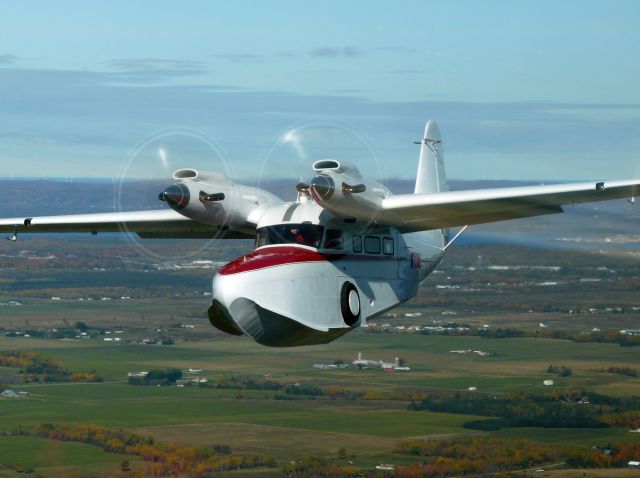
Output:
x,y
188,196
212,198
340,188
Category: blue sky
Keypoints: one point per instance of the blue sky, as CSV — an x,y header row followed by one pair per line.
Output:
x,y
521,90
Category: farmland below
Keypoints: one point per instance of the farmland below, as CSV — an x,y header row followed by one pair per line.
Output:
x,y
494,323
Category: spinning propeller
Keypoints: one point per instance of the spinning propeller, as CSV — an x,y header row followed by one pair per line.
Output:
x,y
151,165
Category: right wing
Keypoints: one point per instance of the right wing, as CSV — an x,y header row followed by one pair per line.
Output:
x,y
161,224
421,212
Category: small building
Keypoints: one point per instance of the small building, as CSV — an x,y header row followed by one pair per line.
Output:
x,y
143,373
385,467
387,367
397,366
630,332
360,362
393,367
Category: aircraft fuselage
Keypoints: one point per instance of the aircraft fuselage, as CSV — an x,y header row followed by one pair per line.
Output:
x,y
316,277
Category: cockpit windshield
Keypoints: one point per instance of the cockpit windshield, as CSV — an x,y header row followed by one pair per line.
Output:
x,y
305,234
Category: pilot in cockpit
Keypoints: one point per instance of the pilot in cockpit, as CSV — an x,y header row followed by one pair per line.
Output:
x,y
297,236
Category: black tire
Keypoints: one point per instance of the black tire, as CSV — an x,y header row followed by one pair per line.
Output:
x,y
347,292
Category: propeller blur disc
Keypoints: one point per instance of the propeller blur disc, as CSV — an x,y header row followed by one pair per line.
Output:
x,y
289,159
148,171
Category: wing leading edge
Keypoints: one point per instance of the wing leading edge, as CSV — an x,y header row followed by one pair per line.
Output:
x,y
163,223
420,212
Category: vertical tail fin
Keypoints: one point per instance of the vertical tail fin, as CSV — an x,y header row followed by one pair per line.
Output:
x,y
431,177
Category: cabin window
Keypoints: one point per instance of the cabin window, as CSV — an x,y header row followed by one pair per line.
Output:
x,y
387,246
372,245
333,239
357,243
305,234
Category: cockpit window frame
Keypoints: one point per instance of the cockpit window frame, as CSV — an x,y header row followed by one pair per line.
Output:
x,y
335,242
386,241
356,241
304,234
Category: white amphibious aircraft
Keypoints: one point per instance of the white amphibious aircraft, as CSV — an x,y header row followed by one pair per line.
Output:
x,y
345,251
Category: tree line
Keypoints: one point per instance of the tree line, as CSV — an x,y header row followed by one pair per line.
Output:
x,y
35,367
558,409
474,456
458,329
284,391
158,377
161,459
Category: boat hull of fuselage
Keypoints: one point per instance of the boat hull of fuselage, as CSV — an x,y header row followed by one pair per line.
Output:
x,y
292,295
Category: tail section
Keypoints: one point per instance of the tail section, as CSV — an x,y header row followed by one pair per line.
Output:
x,y
431,177
429,245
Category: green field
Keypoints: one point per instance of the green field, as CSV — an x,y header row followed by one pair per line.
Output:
x,y
518,364
24,453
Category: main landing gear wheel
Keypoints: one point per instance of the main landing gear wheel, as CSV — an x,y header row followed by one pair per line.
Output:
x,y
350,303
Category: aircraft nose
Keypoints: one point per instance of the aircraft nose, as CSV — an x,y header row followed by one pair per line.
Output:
x,y
176,195
322,186
221,319
218,312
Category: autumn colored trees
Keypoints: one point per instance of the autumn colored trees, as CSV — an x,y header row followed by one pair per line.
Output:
x,y
161,459
472,456
35,367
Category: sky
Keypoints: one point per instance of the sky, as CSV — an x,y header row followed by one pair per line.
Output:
x,y
521,90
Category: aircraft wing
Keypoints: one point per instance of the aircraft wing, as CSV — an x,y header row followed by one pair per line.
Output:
x,y
162,223
420,212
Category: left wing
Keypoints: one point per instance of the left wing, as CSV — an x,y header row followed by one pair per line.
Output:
x,y
163,223
420,212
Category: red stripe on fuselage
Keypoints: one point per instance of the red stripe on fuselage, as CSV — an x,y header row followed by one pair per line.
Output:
x,y
274,256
